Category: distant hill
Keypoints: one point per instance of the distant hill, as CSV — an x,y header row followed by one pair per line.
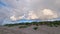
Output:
x,y
20,21
25,20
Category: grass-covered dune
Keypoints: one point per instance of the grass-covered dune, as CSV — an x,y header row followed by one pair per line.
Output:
x,y
48,23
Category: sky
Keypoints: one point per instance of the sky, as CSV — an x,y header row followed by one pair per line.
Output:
x,y
13,10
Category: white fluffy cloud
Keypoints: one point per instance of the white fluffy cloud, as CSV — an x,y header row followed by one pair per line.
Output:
x,y
45,14
32,15
13,18
48,14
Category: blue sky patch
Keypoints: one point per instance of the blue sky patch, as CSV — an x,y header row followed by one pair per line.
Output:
x,y
2,4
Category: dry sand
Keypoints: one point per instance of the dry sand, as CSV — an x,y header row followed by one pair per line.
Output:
x,y
41,30
6,30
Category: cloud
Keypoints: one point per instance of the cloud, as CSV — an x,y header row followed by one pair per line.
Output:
x,y
29,16
13,18
45,14
29,9
48,14
32,15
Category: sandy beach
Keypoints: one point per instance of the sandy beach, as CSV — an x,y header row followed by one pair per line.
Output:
x,y
43,29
